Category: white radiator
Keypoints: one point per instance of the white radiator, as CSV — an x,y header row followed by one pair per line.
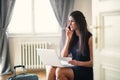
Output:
x,y
29,56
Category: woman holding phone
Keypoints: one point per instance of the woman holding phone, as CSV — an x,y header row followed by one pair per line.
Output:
x,y
79,45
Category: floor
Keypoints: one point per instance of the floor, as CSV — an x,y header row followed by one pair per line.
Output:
x,y
41,74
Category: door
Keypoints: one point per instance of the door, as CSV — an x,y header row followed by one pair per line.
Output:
x,y
106,39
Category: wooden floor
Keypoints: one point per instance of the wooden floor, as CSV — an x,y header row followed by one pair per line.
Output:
x,y
41,74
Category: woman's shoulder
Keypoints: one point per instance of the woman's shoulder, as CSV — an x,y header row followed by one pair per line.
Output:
x,y
89,34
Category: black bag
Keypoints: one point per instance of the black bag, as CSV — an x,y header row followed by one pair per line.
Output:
x,y
23,76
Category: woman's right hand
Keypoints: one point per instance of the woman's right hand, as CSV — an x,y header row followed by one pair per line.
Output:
x,y
68,33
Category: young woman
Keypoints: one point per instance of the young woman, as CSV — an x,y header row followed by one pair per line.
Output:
x,y
79,45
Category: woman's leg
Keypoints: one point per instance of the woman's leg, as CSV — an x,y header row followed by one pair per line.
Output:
x,y
64,74
51,74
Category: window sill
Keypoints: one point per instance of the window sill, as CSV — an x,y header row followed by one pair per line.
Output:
x,y
34,35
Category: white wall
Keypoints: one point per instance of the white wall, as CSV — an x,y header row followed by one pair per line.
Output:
x,y
82,5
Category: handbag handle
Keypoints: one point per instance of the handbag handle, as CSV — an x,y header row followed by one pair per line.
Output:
x,y
18,66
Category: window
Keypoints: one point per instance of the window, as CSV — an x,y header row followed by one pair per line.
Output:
x,y
33,17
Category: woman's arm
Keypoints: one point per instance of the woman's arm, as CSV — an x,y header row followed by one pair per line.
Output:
x,y
85,63
64,52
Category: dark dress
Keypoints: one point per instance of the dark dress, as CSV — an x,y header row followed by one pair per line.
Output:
x,y
82,73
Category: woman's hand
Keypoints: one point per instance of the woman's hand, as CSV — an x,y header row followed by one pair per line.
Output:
x,y
68,33
73,62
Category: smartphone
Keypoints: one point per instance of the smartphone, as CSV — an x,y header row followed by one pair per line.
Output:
x,y
69,28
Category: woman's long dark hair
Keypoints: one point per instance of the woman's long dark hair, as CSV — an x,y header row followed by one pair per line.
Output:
x,y
82,27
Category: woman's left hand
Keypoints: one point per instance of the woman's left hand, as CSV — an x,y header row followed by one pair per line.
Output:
x,y
73,62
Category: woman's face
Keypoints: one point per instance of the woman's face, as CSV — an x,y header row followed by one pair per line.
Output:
x,y
72,23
